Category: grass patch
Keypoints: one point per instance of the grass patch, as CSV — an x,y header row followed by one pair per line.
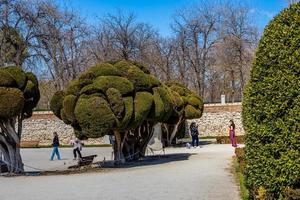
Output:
x,y
244,193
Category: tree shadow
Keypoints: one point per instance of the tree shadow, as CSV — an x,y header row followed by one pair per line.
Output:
x,y
148,160
201,143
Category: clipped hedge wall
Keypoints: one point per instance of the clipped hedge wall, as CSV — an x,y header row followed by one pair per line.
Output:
x,y
271,109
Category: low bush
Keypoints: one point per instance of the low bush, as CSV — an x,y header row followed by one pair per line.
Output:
x,y
226,140
240,155
239,175
292,194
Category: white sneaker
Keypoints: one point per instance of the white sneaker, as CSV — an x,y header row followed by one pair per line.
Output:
x,y
198,147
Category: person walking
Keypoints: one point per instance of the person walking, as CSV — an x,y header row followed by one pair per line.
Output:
x,y
195,134
77,147
55,145
232,133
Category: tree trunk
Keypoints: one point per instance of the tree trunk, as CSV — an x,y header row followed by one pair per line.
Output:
x,y
149,134
232,85
10,145
119,157
175,130
12,155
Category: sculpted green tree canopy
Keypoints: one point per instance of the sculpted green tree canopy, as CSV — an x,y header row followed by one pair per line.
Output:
x,y
271,108
119,98
19,94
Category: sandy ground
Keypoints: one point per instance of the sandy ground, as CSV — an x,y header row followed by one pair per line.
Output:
x,y
200,174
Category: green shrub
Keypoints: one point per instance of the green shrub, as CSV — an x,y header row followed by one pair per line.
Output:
x,y
142,106
69,104
128,110
74,87
240,139
140,80
118,97
191,112
240,155
18,75
103,83
56,103
94,116
103,69
11,102
271,108
116,101
166,97
6,80
158,111
186,102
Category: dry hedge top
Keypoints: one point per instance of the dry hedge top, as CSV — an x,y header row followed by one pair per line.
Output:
x,y
121,95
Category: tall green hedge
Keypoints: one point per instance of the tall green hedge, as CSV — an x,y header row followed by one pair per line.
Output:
x,y
271,109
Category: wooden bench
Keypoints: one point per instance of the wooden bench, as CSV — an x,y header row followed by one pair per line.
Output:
x,y
30,144
84,161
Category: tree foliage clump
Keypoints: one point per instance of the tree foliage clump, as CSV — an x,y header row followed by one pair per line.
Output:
x,y
19,94
271,108
124,99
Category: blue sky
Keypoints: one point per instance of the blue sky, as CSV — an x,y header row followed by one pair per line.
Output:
x,y
159,13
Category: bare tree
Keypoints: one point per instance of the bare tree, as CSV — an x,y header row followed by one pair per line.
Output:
x,y
239,37
199,25
17,36
119,36
60,42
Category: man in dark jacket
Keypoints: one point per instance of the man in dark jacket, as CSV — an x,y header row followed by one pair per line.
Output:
x,y
55,145
195,135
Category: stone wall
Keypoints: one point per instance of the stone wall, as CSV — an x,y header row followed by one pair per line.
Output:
x,y
215,119
42,125
214,122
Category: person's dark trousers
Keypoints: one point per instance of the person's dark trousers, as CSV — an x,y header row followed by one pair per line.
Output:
x,y
75,152
195,138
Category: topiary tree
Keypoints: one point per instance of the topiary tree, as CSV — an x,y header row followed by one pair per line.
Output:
x,y
271,109
19,94
119,98
109,98
186,105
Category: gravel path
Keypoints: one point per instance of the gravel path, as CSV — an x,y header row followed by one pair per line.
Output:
x,y
201,174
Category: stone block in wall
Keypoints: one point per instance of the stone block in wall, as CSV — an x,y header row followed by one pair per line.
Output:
x,y
41,127
217,123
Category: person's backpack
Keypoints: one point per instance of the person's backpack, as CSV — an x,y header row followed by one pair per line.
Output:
x,y
194,131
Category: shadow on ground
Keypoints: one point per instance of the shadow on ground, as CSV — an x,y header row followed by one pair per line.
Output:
x,y
105,166
149,160
201,142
